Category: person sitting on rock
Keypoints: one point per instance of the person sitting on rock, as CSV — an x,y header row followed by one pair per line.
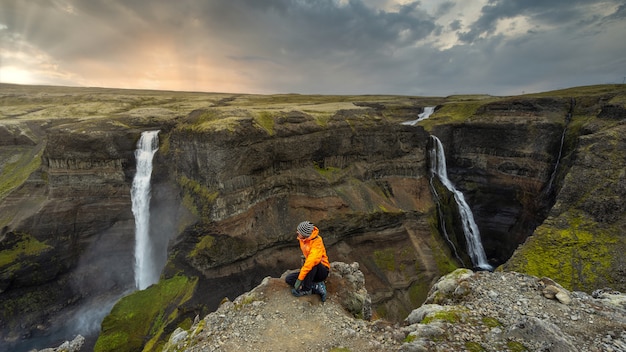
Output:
x,y
310,278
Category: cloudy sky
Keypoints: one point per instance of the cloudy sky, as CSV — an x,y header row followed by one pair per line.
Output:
x,y
428,47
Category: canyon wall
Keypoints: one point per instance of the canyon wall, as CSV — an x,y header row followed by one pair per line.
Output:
x,y
581,242
361,179
235,174
503,158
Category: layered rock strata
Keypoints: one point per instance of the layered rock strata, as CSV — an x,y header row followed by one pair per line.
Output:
x,y
235,173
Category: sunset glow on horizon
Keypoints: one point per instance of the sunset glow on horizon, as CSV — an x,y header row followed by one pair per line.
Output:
x,y
321,47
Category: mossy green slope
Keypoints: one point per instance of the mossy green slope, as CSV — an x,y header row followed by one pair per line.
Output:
x,y
576,253
15,172
140,318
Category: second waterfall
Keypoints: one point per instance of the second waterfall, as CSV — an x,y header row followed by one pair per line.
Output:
x,y
475,248
145,271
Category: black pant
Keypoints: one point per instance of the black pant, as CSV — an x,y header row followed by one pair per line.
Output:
x,y
317,274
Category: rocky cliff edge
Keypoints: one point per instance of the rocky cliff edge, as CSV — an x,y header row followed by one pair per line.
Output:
x,y
465,310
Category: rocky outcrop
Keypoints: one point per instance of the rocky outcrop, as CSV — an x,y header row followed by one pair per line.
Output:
x,y
269,318
464,311
68,346
511,311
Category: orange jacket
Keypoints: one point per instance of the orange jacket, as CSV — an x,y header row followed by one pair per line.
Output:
x,y
314,253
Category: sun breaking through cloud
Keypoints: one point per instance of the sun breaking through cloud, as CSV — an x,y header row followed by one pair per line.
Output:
x,y
325,46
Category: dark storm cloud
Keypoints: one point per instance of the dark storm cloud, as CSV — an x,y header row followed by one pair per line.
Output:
x,y
276,30
310,25
317,46
552,12
444,8
316,28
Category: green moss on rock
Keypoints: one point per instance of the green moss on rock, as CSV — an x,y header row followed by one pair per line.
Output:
x,y
329,173
491,322
212,251
265,119
20,245
339,349
451,314
579,257
515,346
474,346
14,174
164,147
140,318
418,292
205,244
410,338
449,218
385,259
441,253
197,198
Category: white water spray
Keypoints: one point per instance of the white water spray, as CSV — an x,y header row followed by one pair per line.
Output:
x,y
145,270
423,116
472,235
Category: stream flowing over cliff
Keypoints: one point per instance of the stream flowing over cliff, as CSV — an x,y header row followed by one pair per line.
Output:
x,y
234,174
475,248
147,268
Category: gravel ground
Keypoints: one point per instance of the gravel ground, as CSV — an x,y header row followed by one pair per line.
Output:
x,y
465,311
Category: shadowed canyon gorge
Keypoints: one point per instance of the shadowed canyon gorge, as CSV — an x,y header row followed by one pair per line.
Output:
x,y
544,175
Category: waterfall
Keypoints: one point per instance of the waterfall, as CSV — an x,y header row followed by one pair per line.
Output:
x,y
145,270
548,188
472,235
423,116
568,118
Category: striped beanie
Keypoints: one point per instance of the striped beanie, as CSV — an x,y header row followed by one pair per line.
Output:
x,y
305,228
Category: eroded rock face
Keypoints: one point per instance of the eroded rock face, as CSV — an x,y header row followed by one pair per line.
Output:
x,y
249,189
233,196
582,241
233,178
363,185
502,160
73,220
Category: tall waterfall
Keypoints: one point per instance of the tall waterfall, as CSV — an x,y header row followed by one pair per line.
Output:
x,y
472,235
145,270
